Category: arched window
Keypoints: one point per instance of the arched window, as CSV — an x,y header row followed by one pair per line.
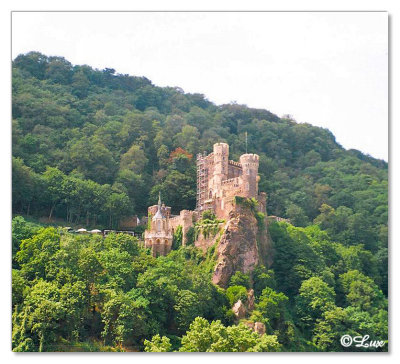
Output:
x,y
247,186
158,226
210,194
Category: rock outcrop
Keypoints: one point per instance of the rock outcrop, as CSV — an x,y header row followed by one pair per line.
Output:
x,y
250,300
242,246
239,309
259,328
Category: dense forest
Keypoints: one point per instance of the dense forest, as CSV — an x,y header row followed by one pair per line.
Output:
x,y
91,147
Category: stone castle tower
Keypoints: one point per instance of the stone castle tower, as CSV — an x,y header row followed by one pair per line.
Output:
x,y
219,180
159,235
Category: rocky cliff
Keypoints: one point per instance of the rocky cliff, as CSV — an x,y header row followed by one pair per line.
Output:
x,y
243,245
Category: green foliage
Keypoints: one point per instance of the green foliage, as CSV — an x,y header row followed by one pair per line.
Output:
x,y
157,344
240,279
208,225
314,299
188,305
235,293
121,130
177,238
271,304
262,278
208,215
296,215
20,229
295,260
215,337
190,236
361,291
92,147
250,203
126,318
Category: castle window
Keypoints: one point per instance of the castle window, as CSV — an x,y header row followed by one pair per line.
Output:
x,y
248,172
210,194
158,226
247,186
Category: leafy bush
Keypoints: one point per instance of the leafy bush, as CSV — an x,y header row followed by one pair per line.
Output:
x,y
235,293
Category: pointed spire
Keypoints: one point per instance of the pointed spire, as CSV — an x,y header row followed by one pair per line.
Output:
x,y
158,214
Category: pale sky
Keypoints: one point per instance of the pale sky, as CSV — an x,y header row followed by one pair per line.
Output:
x,y
327,69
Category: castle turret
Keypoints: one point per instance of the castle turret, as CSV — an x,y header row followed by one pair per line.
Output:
x,y
221,156
159,236
249,164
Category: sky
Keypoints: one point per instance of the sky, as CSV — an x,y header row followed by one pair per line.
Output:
x,y
329,69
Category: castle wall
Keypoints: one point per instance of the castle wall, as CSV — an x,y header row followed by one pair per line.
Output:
x,y
234,169
204,242
184,219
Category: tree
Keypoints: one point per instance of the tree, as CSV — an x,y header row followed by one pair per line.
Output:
x,y
361,291
36,254
215,337
157,344
40,318
54,180
296,215
272,304
330,328
188,306
118,206
21,230
126,318
188,138
235,293
134,159
314,299
25,186
262,278
239,279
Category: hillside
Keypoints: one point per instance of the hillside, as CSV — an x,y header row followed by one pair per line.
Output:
x,y
94,146
112,135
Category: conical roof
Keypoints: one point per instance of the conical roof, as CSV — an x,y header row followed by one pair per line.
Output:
x,y
158,214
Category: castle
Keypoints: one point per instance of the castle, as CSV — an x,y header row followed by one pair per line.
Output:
x,y
219,180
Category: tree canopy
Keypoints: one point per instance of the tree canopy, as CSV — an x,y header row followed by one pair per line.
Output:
x,y
93,147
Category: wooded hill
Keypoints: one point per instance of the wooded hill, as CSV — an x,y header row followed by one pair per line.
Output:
x,y
93,146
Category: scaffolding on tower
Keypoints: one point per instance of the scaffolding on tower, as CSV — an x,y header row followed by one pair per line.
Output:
x,y
201,181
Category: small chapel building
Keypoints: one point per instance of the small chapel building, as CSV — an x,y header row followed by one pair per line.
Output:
x,y
159,235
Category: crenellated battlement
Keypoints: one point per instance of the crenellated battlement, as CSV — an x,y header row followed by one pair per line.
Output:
x,y
249,158
219,178
233,163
